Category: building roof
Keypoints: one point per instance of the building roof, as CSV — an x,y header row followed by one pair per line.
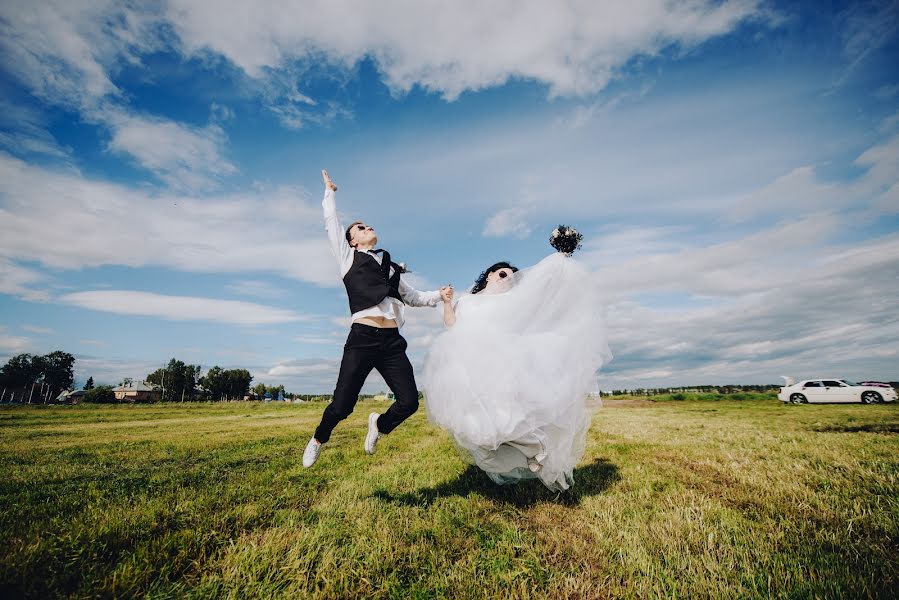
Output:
x,y
138,386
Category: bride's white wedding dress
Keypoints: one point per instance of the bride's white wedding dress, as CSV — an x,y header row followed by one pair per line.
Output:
x,y
510,380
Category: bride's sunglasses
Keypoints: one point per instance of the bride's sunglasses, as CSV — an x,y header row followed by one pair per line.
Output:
x,y
363,227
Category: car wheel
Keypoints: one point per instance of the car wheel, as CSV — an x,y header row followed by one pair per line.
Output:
x,y
871,397
798,399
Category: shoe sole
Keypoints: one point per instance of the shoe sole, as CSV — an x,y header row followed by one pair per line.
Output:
x,y
372,426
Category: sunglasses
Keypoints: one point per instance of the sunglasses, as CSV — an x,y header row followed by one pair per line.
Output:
x,y
364,227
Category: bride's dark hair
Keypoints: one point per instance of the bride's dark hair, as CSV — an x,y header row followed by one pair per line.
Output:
x,y
481,282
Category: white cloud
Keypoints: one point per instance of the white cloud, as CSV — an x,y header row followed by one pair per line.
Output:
x,y
186,158
62,50
887,92
280,92
12,344
750,264
41,143
26,131
66,51
312,376
19,281
834,312
255,288
453,47
35,329
308,339
511,221
43,211
180,308
890,124
294,368
220,112
865,27
801,191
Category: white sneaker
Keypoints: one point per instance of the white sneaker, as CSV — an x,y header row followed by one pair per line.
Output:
x,y
372,437
536,463
310,454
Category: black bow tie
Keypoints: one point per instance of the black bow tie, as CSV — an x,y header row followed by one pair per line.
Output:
x,y
385,261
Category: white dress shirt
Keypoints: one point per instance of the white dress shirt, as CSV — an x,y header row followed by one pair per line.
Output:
x,y
389,308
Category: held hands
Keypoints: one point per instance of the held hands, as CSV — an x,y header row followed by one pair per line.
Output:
x,y
446,294
328,183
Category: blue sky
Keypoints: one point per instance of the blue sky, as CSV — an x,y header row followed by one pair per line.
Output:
x,y
732,164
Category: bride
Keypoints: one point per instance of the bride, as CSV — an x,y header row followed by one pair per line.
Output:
x,y
510,377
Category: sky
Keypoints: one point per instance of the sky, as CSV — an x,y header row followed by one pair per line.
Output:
x,y
732,164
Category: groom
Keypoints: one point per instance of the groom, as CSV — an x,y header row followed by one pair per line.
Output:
x,y
377,297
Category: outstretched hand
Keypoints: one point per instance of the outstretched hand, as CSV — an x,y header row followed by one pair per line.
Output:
x,y
328,183
446,293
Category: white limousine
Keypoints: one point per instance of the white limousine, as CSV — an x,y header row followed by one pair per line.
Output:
x,y
833,390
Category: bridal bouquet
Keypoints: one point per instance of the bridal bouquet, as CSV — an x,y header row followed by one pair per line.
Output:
x,y
566,239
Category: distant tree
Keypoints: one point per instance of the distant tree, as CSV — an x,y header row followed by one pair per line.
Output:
x,y
21,370
275,390
177,379
238,382
58,370
214,382
101,394
89,385
224,384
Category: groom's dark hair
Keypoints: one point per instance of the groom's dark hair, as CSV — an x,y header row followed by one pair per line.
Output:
x,y
481,282
349,232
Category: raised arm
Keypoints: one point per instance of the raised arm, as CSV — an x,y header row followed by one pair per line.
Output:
x,y
336,234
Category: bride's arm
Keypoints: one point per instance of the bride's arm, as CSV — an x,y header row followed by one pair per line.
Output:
x,y
449,311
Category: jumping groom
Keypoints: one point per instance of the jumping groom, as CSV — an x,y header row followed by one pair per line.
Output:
x,y
377,298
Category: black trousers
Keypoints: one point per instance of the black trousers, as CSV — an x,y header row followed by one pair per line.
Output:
x,y
370,348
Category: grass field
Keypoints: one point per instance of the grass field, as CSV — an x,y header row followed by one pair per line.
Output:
x,y
676,499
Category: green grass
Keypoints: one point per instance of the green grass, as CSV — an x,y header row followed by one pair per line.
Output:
x,y
678,499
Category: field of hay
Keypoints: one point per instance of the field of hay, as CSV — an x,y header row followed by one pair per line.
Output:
x,y
683,498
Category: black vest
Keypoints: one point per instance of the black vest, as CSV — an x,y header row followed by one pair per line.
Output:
x,y
367,283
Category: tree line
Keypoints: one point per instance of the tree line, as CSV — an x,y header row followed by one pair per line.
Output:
x,y
721,389
180,381
30,375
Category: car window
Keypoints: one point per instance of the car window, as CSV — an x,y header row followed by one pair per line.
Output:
x,y
812,384
831,383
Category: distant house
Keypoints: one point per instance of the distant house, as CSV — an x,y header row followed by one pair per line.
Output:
x,y
67,397
138,391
